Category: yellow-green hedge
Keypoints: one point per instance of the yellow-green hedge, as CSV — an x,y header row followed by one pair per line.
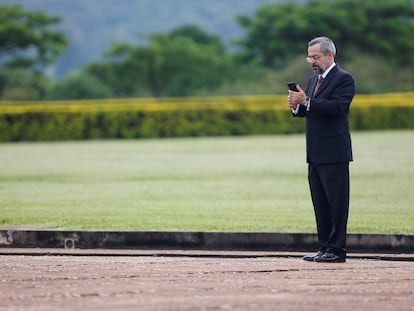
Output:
x,y
177,117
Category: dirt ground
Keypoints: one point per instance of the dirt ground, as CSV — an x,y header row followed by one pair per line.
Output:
x,y
200,281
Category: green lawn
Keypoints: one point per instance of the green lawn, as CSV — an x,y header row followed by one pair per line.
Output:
x,y
229,184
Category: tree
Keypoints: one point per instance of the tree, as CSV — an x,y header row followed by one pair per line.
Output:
x,y
26,46
79,86
279,32
173,64
199,36
18,84
25,37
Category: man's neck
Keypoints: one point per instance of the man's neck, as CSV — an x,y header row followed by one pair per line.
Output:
x,y
325,73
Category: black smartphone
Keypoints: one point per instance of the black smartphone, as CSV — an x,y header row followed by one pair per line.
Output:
x,y
292,86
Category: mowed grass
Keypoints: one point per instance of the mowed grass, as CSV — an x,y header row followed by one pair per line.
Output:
x,y
199,184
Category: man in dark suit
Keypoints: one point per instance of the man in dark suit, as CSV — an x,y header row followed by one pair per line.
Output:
x,y
325,104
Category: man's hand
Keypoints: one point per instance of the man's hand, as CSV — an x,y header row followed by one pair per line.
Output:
x,y
296,98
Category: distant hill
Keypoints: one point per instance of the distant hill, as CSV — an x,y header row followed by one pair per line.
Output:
x,y
93,25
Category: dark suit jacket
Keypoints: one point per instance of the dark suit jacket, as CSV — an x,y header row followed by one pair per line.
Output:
x,y
328,139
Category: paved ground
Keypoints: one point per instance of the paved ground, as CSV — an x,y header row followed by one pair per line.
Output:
x,y
190,280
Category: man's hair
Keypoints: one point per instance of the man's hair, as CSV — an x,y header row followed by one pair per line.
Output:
x,y
327,45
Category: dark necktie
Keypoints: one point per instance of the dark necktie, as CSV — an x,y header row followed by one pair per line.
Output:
x,y
318,84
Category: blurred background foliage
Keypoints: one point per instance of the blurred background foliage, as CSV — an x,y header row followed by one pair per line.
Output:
x,y
373,38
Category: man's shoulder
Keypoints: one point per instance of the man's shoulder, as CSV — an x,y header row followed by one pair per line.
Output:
x,y
341,71
338,74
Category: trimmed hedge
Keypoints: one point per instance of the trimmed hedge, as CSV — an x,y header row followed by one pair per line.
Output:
x,y
183,117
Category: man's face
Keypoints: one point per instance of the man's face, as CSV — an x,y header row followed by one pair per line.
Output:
x,y
319,61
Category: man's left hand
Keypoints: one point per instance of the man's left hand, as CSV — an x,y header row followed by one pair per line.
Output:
x,y
296,98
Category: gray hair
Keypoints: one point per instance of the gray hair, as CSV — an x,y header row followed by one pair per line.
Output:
x,y
327,45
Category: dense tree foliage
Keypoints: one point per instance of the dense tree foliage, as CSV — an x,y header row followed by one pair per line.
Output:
x,y
27,45
373,38
277,32
173,64
93,25
26,39
20,84
77,86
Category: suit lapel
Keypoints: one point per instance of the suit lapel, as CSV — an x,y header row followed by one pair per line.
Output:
x,y
326,81
313,85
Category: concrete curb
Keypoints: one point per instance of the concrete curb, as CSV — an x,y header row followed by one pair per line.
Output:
x,y
243,241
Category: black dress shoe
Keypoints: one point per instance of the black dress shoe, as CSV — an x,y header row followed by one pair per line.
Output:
x,y
312,258
330,257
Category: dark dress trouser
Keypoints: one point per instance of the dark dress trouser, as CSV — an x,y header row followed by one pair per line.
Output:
x,y
329,187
